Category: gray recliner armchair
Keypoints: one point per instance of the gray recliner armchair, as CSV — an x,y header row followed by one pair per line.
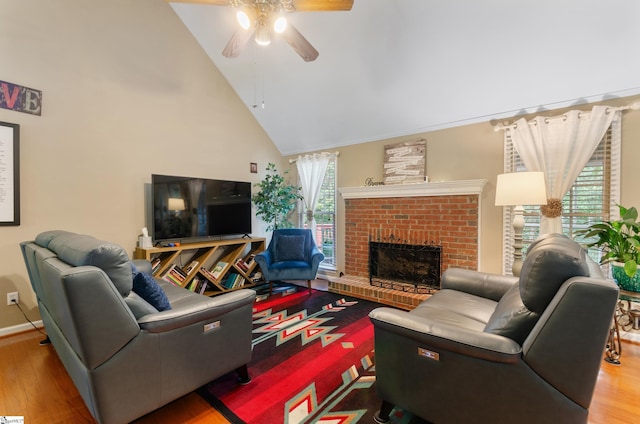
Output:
x,y
126,357
498,349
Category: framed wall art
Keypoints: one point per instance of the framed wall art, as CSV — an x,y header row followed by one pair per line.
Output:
x,y
405,162
9,174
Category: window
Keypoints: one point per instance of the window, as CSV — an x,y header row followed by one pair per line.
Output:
x,y
325,215
592,198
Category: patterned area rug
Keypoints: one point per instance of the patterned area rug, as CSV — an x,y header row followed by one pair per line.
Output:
x,y
312,362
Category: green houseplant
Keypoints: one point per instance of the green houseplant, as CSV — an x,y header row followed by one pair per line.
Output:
x,y
276,199
620,242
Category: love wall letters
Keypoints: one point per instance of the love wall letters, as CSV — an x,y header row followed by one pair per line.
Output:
x,y
19,98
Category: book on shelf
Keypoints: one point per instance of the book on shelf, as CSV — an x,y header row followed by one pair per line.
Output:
x,y
178,273
204,286
206,272
240,263
155,264
256,277
198,284
239,282
224,281
218,269
193,265
233,281
175,275
175,279
228,282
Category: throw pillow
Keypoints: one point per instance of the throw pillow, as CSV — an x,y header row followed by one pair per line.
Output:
x,y
148,289
290,248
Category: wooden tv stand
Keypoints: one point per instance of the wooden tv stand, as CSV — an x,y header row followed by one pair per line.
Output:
x,y
207,267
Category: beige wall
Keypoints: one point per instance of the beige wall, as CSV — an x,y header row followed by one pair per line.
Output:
x,y
127,92
475,152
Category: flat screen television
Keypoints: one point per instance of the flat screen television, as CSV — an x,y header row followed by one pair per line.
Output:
x,y
199,208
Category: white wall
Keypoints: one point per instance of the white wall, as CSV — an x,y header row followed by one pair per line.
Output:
x,y
127,92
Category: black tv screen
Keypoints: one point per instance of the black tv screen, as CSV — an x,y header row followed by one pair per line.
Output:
x,y
192,208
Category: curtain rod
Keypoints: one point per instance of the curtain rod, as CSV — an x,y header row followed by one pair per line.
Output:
x,y
294,160
633,106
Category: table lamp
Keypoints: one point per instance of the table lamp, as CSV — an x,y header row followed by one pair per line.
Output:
x,y
519,189
176,204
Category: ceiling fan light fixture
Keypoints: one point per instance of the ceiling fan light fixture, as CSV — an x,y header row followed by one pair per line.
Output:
x,y
263,37
243,19
280,25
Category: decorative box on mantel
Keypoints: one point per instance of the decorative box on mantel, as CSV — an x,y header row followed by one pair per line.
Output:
x,y
444,213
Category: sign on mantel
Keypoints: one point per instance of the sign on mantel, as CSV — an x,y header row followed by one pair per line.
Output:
x,y
405,162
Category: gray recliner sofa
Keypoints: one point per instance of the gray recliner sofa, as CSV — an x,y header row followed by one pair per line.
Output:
x,y
499,349
125,357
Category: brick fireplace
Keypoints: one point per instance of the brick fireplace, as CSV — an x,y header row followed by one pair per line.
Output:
x,y
446,214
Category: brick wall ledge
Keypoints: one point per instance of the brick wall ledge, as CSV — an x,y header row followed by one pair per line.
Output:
x,y
360,288
441,188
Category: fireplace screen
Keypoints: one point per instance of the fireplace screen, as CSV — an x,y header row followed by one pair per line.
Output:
x,y
406,263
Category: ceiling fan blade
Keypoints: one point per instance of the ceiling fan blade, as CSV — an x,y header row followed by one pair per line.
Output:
x,y
237,43
322,5
300,5
300,44
211,2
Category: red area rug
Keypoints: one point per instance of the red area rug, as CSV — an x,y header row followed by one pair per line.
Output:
x,y
312,362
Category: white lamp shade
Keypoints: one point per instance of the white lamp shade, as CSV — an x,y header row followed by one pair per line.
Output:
x,y
521,188
176,204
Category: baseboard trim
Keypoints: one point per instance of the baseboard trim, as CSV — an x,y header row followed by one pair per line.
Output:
x,y
631,336
21,328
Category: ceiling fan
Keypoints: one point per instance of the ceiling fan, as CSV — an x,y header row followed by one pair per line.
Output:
x,y
263,19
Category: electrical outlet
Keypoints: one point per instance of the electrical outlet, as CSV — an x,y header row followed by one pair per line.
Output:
x,y
13,298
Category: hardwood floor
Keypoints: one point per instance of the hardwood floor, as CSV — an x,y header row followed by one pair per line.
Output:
x,y
34,384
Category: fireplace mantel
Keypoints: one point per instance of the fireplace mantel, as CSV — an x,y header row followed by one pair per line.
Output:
x,y
442,188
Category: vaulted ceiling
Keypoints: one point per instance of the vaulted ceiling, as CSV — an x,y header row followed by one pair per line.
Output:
x,y
391,68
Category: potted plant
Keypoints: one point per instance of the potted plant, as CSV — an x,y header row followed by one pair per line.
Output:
x,y
620,242
275,199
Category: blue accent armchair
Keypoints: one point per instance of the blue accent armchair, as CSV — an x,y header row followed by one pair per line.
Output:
x,y
292,254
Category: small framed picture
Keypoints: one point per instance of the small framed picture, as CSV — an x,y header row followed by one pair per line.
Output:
x,y
9,174
253,167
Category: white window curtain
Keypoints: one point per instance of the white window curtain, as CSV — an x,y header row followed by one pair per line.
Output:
x,y
560,147
311,169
